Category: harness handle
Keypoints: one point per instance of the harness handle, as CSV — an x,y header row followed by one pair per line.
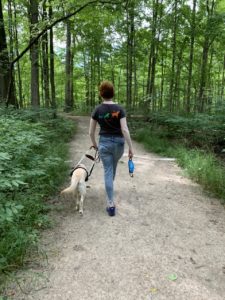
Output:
x,y
96,158
96,148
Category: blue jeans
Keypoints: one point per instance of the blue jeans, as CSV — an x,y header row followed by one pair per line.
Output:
x,y
110,150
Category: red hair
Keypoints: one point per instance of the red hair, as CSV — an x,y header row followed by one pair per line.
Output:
x,y
106,90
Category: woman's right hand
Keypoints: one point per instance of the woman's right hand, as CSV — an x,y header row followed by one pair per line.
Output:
x,y
130,153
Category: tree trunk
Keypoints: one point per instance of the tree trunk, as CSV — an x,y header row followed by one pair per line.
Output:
x,y
7,93
163,64
191,58
4,60
10,29
203,76
162,83
68,84
135,100
153,71
223,80
130,52
45,54
153,51
92,79
174,54
35,94
72,70
176,95
98,67
149,72
112,69
210,80
52,63
41,86
119,83
204,63
87,80
20,87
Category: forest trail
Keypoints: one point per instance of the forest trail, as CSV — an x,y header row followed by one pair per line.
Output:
x,y
166,242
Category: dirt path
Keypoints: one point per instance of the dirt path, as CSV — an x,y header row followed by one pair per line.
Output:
x,y
165,227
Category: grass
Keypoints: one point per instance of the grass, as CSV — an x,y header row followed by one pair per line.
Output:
x,y
154,142
201,166
205,169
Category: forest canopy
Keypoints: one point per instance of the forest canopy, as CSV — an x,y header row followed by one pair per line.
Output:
x,y
160,54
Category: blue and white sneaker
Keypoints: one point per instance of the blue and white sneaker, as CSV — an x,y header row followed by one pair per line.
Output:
x,y
111,211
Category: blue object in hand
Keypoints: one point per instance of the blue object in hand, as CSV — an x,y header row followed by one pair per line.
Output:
x,y
131,167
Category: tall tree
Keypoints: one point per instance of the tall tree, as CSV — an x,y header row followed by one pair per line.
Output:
x,y
86,76
174,55
208,40
153,51
19,76
223,79
191,57
69,79
52,61
33,16
7,93
45,55
130,51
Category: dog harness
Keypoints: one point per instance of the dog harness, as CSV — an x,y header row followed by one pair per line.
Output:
x,y
78,166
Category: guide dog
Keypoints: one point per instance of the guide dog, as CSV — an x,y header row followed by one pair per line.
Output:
x,y
77,187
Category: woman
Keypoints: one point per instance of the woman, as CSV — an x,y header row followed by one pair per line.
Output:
x,y
113,132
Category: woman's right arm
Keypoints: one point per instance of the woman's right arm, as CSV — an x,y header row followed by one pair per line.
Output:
x,y
126,134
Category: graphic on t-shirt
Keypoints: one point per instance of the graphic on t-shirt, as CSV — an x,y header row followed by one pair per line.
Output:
x,y
115,114
106,116
112,115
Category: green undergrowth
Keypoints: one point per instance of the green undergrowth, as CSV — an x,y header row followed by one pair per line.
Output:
x,y
205,131
33,149
199,163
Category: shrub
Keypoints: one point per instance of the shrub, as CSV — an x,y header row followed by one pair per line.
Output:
x,y
32,154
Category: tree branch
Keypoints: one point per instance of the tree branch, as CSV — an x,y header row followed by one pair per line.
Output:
x,y
35,39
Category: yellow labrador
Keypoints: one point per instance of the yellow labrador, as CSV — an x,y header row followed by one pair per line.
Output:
x,y
77,187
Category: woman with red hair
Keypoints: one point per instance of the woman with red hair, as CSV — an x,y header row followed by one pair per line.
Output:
x,y
113,134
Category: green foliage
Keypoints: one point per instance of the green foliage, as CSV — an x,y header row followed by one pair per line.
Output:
x,y
8,212
101,38
32,165
200,130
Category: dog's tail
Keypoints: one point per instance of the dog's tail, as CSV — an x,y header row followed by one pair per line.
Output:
x,y
71,189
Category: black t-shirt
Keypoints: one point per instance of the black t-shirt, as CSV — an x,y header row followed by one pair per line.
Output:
x,y
108,117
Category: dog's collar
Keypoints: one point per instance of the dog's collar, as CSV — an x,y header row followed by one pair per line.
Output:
x,y
80,167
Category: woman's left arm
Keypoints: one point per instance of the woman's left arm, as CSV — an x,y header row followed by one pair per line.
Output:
x,y
92,129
